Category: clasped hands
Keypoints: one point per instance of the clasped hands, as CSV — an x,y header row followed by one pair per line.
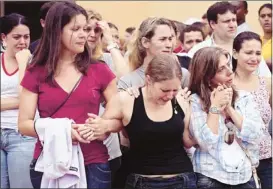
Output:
x,y
95,128
221,97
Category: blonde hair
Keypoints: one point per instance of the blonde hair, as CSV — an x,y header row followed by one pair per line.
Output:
x,y
164,67
146,29
97,52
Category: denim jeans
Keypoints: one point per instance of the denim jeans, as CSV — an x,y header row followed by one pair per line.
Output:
x,y
206,182
98,175
184,180
16,155
264,172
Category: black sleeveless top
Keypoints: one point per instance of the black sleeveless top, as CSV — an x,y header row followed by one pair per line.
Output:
x,y
156,148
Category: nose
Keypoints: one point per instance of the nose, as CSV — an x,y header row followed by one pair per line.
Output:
x,y
22,40
170,95
169,44
229,70
83,34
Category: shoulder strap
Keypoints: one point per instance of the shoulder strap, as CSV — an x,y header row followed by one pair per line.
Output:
x,y
254,171
65,100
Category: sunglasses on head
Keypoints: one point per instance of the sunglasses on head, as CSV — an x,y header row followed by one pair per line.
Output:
x,y
230,134
96,30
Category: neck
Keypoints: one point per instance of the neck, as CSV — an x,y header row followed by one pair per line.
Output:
x,y
241,22
148,96
221,41
267,35
9,55
242,75
146,61
66,59
224,43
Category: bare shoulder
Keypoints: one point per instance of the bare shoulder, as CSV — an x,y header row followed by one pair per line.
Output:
x,y
125,98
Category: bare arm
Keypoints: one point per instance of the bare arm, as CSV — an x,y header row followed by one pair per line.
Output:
x,y
9,103
120,65
188,140
112,114
27,109
22,58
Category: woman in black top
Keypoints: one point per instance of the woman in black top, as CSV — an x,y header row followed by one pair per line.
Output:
x,y
156,122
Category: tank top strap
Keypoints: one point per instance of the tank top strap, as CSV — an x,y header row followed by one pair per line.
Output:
x,y
139,108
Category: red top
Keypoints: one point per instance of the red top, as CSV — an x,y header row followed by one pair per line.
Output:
x,y
178,49
85,99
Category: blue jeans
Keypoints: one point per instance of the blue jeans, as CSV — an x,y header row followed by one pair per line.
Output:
x,y
206,182
184,180
16,155
98,175
264,172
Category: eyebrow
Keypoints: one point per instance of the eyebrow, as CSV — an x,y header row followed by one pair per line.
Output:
x,y
16,34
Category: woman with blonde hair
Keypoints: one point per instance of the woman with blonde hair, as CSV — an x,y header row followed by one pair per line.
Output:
x,y
154,36
97,29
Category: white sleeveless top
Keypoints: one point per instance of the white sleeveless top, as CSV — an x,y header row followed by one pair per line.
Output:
x,y
9,88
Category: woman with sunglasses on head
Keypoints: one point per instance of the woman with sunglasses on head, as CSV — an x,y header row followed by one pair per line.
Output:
x,y
16,149
98,28
225,124
247,53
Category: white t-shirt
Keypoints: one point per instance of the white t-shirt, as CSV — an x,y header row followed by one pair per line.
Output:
x,y
9,88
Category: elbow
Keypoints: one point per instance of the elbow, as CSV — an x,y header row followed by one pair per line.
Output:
x,y
21,128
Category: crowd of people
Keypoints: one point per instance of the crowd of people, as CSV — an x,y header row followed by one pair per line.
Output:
x,y
170,105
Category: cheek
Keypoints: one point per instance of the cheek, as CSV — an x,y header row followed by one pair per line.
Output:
x,y
219,78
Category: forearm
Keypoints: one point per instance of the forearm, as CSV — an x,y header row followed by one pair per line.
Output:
x,y
236,117
22,70
188,141
121,67
9,103
27,128
213,122
114,125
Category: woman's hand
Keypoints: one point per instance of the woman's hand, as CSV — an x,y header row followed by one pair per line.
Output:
x,y
76,136
133,91
22,58
183,97
95,128
220,97
107,35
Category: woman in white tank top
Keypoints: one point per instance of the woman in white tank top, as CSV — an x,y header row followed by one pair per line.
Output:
x,y
16,150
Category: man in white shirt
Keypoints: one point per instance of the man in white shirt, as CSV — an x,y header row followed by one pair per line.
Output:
x,y
222,19
241,12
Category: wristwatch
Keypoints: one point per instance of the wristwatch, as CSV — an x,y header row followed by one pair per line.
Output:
x,y
214,110
111,46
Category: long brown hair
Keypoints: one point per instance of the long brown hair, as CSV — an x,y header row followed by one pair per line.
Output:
x,y
48,51
204,66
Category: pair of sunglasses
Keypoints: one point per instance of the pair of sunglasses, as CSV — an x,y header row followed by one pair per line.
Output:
x,y
96,30
230,134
